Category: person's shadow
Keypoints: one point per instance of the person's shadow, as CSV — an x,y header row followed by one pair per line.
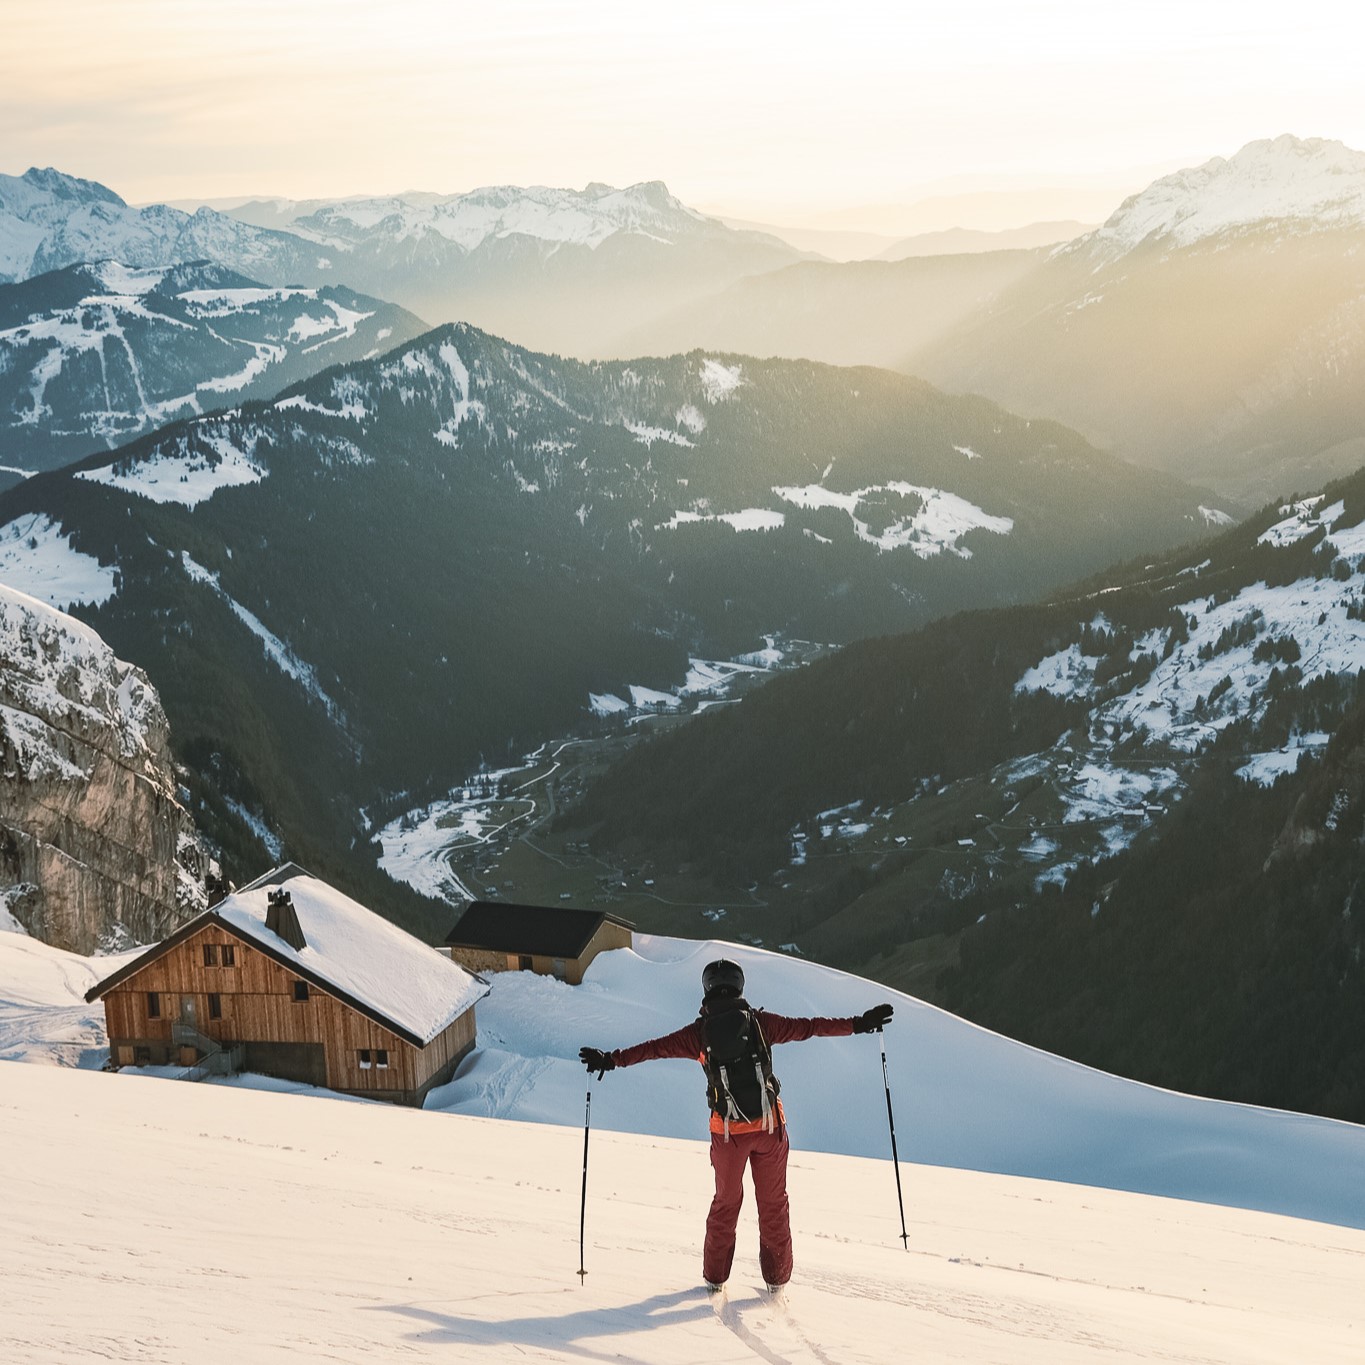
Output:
x,y
562,1332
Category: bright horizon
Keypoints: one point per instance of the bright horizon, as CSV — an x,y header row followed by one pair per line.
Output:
x,y
763,111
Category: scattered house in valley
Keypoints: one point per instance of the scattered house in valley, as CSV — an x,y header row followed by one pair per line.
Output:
x,y
291,978
558,941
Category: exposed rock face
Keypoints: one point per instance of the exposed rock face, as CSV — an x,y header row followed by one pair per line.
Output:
x,y
95,848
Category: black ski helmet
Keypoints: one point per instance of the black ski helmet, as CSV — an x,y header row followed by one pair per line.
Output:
x,y
722,977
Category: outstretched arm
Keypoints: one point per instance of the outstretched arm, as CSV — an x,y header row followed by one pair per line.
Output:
x,y
685,1042
781,1028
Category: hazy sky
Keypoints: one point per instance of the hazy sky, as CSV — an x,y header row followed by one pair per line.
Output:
x,y
766,108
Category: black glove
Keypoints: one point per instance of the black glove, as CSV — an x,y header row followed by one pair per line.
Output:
x,y
594,1060
874,1020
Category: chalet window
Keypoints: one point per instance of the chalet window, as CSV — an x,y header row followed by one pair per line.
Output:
x,y
210,954
300,990
215,1006
381,1057
524,963
229,955
142,1056
365,1062
153,1004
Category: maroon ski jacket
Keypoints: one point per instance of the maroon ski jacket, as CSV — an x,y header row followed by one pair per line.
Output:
x,y
689,1042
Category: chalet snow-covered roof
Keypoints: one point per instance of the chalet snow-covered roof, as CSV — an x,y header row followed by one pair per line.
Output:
x,y
349,951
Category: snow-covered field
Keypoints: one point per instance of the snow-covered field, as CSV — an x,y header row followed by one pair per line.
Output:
x,y
37,558
232,1220
174,1223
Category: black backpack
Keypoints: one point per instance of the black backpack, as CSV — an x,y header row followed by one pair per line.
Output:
x,y
740,1085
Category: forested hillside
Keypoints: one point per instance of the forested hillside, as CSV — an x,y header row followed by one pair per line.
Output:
x,y
1125,825
403,567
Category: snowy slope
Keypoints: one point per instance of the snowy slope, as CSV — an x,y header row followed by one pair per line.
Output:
x,y
219,1224
94,355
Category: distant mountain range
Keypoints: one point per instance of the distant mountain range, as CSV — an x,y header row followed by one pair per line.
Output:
x,y
406,563
571,271
1124,826
1213,326
93,355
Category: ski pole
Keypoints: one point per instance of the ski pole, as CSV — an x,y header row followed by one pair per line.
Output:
x,y
895,1160
583,1203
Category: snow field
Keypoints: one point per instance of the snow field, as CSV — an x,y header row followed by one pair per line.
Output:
x,y
181,475
939,524
37,558
225,1224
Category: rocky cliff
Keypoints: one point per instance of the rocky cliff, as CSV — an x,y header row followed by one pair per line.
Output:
x,y
95,848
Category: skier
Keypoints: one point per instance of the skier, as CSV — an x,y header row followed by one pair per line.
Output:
x,y
734,1044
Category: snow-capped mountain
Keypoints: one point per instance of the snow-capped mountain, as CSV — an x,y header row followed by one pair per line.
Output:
x,y
1125,826
49,220
422,558
556,216
93,355
471,1225
1287,184
565,270
97,848
571,271
1214,326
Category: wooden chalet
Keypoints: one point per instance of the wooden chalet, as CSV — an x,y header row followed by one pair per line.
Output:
x,y
493,937
291,978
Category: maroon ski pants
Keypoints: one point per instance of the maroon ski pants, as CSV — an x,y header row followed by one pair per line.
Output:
x,y
766,1154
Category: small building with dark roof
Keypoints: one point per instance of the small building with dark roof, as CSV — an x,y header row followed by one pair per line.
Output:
x,y
291,978
560,941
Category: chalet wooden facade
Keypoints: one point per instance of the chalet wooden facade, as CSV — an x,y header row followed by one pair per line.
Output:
x,y
290,978
561,942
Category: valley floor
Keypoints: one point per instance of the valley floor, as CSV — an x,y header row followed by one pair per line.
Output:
x,y
156,1222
